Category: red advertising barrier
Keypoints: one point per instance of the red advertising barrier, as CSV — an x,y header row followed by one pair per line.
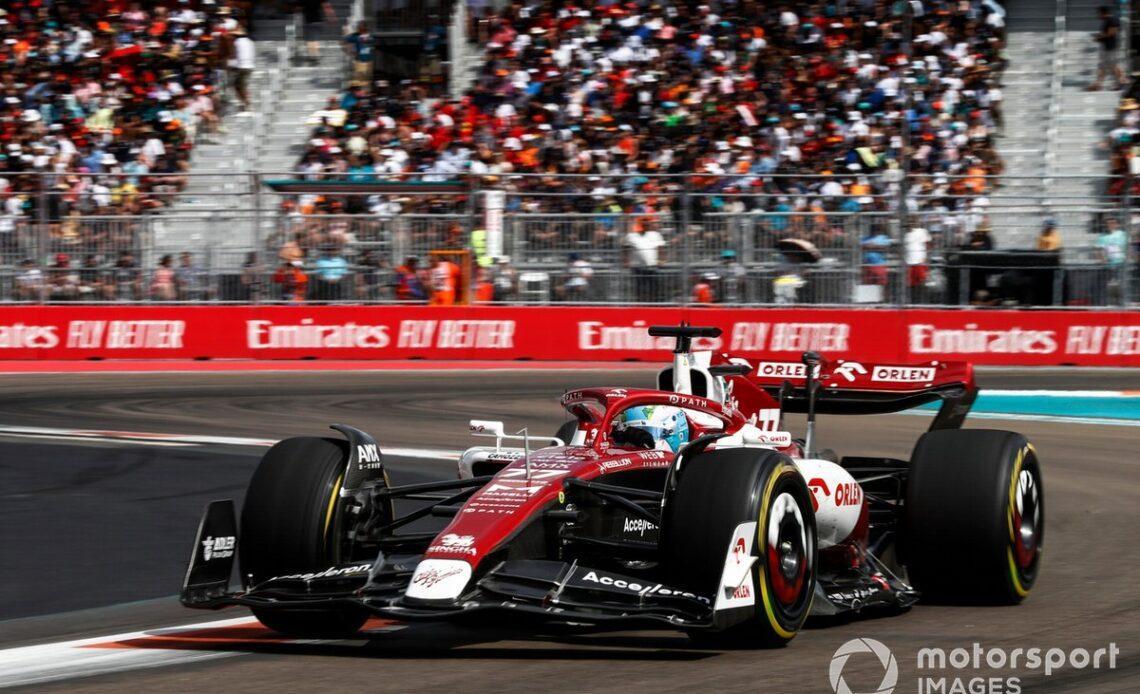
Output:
x,y
1110,338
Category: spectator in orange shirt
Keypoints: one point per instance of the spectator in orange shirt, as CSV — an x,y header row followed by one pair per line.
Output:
x,y
293,280
484,287
444,281
703,289
1050,237
408,284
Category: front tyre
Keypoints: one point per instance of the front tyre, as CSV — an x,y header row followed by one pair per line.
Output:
x,y
974,522
718,496
288,526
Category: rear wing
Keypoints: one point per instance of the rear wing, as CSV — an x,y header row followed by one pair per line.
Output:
x,y
851,387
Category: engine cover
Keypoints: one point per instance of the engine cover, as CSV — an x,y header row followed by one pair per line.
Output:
x,y
836,497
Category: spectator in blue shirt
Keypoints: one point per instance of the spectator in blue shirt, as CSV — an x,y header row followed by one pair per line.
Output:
x,y
875,247
1113,244
359,45
329,272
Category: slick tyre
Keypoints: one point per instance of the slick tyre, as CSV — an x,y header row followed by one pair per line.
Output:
x,y
720,499
974,521
286,527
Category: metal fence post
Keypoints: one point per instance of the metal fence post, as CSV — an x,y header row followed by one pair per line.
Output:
x,y
42,235
255,240
1125,32
1129,266
904,163
472,224
853,230
41,219
900,246
686,222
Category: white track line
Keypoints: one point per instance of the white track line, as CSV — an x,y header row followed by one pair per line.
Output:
x,y
1063,393
1097,421
51,662
155,439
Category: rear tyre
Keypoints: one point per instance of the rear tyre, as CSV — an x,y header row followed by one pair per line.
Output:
x,y
715,492
974,522
288,525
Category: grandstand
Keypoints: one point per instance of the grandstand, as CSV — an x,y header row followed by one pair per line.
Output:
x,y
633,150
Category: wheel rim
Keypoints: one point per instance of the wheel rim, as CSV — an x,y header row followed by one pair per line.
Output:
x,y
1026,522
787,548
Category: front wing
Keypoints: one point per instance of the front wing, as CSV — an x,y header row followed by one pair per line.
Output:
x,y
550,589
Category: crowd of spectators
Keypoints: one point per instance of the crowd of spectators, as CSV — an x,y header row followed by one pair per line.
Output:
x,y
765,106
101,102
122,279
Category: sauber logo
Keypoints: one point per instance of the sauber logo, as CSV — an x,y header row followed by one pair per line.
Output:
x,y
848,369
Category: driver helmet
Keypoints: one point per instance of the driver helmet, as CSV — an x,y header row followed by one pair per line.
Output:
x,y
667,425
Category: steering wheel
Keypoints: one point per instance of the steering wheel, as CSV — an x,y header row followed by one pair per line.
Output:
x,y
635,437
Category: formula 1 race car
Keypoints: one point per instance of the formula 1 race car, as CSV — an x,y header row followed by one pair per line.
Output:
x,y
688,506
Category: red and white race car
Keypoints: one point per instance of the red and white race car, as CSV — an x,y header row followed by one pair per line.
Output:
x,y
688,506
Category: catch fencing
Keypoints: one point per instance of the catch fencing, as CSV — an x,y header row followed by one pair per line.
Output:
x,y
761,240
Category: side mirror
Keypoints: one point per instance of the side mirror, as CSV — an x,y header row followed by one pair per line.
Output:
x,y
486,427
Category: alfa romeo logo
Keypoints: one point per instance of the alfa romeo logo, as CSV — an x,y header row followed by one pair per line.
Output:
x,y
879,649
